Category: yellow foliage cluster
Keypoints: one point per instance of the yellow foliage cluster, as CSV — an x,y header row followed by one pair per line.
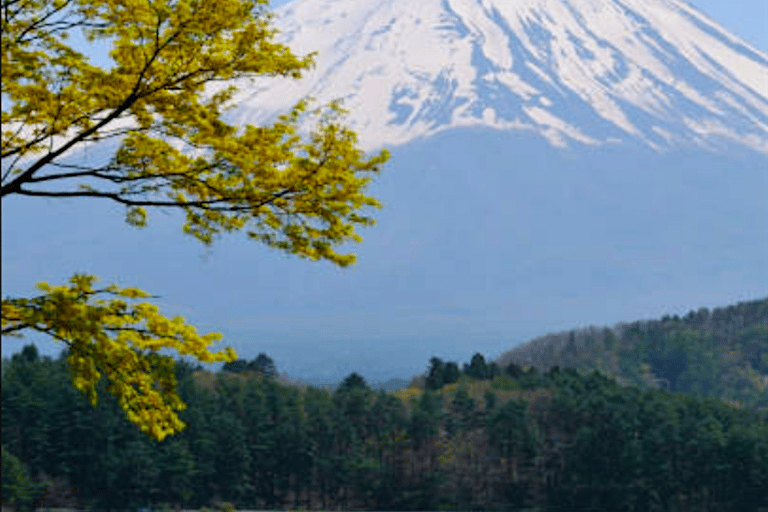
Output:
x,y
302,195
118,341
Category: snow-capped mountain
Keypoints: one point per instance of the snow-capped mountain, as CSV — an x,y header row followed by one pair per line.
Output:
x,y
573,71
490,234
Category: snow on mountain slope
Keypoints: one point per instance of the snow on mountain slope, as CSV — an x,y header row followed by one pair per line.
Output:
x,y
584,71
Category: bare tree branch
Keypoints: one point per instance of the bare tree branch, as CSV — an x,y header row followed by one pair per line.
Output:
x,y
39,23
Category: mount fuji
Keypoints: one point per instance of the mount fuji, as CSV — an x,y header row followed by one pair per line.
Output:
x,y
592,72
555,164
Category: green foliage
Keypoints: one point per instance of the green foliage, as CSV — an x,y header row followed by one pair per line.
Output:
x,y
477,368
303,197
351,382
436,374
462,409
720,353
261,365
530,379
257,443
18,489
236,366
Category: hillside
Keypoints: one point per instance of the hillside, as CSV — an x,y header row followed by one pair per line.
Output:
x,y
721,353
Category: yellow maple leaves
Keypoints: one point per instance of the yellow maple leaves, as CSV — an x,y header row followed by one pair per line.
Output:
x,y
118,341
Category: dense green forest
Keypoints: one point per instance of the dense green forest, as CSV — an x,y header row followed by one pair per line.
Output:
x,y
720,353
475,437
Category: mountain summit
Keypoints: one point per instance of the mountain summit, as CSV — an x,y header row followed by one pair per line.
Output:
x,y
590,72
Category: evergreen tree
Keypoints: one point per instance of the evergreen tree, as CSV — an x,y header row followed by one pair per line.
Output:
x,y
352,381
463,409
477,368
451,373
18,490
436,374
513,370
320,432
236,366
577,441
263,365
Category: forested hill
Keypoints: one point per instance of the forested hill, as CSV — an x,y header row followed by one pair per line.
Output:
x,y
720,353
477,438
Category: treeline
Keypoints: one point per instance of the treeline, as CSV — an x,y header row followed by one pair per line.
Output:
x,y
262,365
487,440
721,353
